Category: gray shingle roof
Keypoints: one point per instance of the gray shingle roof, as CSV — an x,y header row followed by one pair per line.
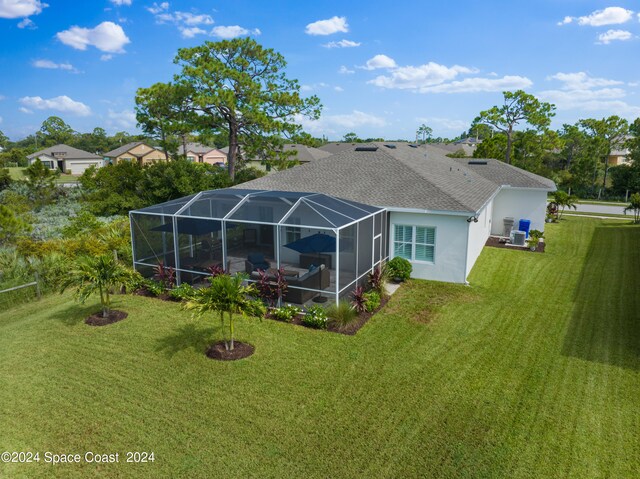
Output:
x,y
403,177
70,153
198,148
304,154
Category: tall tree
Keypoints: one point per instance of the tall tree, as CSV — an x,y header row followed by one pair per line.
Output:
x,y
424,133
164,112
351,137
612,133
4,140
518,106
56,131
240,87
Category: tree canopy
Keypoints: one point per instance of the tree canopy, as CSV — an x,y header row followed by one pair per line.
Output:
x,y
239,87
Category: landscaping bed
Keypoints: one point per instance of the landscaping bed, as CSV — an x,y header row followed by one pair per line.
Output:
x,y
97,319
494,242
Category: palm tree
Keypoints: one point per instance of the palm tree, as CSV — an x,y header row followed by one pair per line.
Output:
x,y
97,274
424,132
564,200
227,294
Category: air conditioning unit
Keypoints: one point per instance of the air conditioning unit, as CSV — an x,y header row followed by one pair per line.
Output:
x,y
519,238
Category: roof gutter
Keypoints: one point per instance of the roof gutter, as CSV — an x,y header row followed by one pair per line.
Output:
x,y
428,212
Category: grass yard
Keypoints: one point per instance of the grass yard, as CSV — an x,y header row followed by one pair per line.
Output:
x,y
17,173
534,371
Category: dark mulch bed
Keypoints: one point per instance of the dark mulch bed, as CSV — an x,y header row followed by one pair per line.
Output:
x,y
495,243
97,319
349,329
240,351
144,292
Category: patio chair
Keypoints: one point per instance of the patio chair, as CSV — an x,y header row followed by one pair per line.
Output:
x,y
256,261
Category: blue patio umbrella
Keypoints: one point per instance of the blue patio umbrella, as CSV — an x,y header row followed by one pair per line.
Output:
x,y
315,243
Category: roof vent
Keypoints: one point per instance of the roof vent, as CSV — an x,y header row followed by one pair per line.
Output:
x,y
366,148
393,147
477,162
413,146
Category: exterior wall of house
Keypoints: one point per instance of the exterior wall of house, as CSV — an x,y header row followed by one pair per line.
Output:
x,y
450,245
48,161
478,234
77,167
519,203
153,155
615,160
213,157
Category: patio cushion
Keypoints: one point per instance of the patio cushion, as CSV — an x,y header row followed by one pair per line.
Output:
x,y
256,258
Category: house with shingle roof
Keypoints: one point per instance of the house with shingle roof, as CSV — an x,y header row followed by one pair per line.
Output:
x,y
294,152
199,153
440,210
66,158
135,151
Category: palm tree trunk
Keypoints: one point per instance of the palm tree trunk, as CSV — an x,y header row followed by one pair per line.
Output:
x,y
224,336
231,329
102,303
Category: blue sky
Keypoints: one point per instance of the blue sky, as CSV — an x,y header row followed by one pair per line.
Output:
x,y
380,68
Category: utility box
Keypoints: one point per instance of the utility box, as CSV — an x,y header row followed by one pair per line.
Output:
x,y
519,238
508,226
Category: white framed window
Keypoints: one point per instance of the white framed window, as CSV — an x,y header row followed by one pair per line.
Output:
x,y
415,243
191,158
292,234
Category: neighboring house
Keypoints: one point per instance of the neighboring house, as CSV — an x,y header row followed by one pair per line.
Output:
x,y
135,151
302,154
337,147
440,211
619,156
203,154
449,148
66,159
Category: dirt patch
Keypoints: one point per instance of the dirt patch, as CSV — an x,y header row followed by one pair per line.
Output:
x,y
494,242
144,292
97,319
240,350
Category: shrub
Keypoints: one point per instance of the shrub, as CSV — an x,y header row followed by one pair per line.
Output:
x,y
371,301
285,313
165,275
400,268
341,314
184,292
315,317
378,278
358,302
272,288
154,287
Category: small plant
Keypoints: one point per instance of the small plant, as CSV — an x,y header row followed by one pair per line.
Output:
x,y
315,317
534,239
341,314
359,302
378,278
184,292
154,287
371,301
285,313
216,270
165,275
272,288
634,205
400,268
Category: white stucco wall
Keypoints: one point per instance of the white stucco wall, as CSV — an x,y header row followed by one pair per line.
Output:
x,y
519,203
451,245
478,234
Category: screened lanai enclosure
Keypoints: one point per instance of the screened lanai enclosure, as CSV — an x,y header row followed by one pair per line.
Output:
x,y
326,245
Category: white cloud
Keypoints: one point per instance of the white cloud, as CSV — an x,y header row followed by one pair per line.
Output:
x,y
582,81
233,31
53,65
121,2
314,86
190,32
447,124
20,8
343,70
125,119
27,23
333,124
60,103
614,35
338,88
599,18
422,76
158,7
328,27
25,110
478,84
579,91
342,44
379,61
107,37
106,57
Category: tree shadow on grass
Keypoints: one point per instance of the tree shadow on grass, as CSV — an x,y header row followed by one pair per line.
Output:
x,y
188,336
605,325
74,313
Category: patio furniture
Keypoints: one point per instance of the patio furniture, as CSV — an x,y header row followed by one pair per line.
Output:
x,y
307,259
256,261
311,279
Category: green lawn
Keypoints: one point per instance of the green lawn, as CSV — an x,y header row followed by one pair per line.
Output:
x,y
17,173
532,372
